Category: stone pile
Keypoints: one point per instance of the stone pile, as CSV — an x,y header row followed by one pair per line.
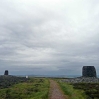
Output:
x,y
82,80
88,76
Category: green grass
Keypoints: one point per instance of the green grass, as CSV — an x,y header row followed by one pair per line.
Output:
x,y
91,89
32,89
71,92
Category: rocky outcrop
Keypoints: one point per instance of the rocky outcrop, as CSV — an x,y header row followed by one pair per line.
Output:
x,y
81,80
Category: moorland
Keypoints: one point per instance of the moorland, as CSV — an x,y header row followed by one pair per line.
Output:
x,y
12,87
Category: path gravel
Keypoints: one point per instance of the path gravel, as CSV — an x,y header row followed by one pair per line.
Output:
x,y
55,91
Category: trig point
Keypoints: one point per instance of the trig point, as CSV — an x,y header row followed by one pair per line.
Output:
x,y
88,71
6,72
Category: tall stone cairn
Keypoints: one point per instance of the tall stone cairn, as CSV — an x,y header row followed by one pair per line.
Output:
x,y
6,72
89,71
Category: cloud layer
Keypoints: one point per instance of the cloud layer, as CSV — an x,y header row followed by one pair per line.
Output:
x,y
48,37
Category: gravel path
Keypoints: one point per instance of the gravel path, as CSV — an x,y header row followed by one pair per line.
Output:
x,y
55,91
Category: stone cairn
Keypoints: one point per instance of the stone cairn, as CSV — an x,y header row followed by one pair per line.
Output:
x,y
88,71
6,72
88,76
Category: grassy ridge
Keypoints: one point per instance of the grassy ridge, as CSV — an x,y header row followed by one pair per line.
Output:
x,y
71,92
32,89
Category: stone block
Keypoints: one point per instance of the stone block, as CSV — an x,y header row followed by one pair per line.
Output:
x,y
88,71
6,72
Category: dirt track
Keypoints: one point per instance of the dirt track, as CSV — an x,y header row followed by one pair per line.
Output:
x,y
55,91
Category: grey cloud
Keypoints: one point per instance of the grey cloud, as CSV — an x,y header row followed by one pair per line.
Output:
x,y
58,36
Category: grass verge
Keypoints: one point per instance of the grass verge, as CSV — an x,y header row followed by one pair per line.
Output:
x,y
71,92
37,88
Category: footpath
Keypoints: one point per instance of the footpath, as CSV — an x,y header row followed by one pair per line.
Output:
x,y
55,91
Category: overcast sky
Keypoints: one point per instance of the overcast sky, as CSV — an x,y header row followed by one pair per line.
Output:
x,y
49,36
